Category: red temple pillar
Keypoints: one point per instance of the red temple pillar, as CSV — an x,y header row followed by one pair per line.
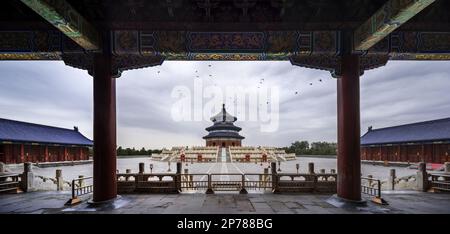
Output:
x,y
22,154
65,154
46,154
348,158
80,154
105,185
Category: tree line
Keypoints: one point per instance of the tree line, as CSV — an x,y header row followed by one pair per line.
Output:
x,y
132,151
315,148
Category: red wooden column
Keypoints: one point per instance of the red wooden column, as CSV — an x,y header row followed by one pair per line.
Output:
x,y
65,158
22,154
348,158
46,153
105,186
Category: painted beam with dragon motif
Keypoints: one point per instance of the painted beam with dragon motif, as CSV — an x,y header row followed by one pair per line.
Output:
x,y
389,17
261,45
66,19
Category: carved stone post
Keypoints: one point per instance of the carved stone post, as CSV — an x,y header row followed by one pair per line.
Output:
x,y
392,179
446,170
81,181
209,190
141,168
370,181
265,176
275,188
127,171
59,180
178,176
422,177
243,190
311,168
27,178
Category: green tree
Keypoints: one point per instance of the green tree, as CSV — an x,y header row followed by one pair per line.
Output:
x,y
315,148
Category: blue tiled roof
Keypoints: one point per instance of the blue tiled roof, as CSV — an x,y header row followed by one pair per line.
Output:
x,y
434,130
223,126
220,134
16,131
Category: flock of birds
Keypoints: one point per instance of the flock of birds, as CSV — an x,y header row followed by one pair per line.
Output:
x,y
260,82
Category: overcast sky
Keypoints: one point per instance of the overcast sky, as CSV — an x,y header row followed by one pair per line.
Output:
x,y
50,93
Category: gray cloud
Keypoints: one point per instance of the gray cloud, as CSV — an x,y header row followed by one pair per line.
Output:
x,y
54,94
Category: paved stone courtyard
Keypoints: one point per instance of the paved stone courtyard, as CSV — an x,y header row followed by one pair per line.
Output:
x,y
408,202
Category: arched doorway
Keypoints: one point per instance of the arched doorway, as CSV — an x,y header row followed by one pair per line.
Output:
x,y
223,144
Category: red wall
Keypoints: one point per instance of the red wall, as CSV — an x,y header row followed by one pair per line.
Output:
x,y
430,153
19,153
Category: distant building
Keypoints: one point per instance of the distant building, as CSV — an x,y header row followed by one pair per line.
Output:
x,y
28,142
223,132
427,141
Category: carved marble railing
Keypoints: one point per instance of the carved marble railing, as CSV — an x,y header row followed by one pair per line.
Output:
x,y
401,183
305,183
10,183
54,181
148,183
440,182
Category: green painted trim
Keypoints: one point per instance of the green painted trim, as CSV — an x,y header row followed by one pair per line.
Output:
x,y
66,19
388,18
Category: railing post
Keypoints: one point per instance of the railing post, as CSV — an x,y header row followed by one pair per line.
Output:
x,y
275,188
243,190
59,180
422,177
27,183
2,167
311,168
370,180
178,176
80,181
128,171
73,190
447,170
379,188
141,168
392,179
209,190
74,200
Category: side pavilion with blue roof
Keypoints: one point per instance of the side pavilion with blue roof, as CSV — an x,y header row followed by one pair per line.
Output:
x,y
427,141
28,142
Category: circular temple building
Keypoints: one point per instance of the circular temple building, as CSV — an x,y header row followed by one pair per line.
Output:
x,y
223,132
